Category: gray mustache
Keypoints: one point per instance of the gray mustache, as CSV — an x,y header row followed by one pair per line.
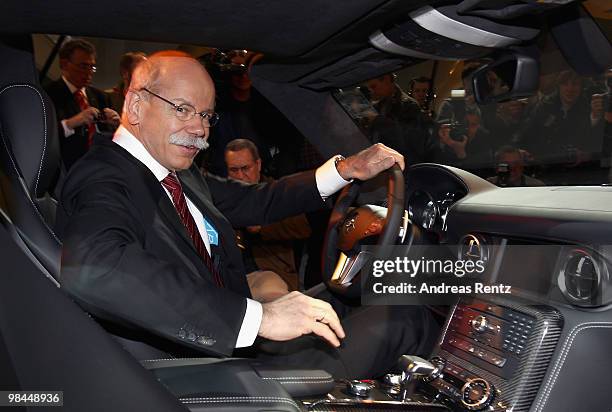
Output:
x,y
187,141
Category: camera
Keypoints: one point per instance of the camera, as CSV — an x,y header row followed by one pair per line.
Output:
x,y
234,68
457,129
101,117
223,60
503,174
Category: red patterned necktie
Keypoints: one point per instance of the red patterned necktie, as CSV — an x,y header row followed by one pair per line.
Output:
x,y
79,96
173,186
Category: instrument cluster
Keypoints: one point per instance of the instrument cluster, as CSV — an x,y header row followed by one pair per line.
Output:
x,y
429,212
431,190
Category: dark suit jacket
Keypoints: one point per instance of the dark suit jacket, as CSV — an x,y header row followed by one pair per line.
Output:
x,y
127,257
75,146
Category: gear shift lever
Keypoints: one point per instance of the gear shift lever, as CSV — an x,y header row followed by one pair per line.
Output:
x,y
414,368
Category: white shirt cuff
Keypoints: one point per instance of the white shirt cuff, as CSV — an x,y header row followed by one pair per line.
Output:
x,y
250,324
328,179
67,131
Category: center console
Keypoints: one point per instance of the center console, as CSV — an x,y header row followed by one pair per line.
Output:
x,y
495,353
492,355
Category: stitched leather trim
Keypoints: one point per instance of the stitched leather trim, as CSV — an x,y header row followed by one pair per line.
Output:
x,y
277,378
17,170
42,103
561,360
241,399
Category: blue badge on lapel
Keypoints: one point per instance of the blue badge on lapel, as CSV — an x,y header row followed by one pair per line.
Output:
x,y
213,235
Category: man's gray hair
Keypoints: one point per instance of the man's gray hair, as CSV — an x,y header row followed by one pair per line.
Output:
x,y
241,144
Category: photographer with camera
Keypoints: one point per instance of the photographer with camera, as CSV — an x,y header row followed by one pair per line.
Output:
x,y
400,123
453,143
81,110
560,134
247,113
601,119
465,142
601,103
510,169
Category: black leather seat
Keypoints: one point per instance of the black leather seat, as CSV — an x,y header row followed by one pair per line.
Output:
x,y
30,166
46,339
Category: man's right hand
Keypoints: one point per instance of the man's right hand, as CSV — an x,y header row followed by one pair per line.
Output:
x,y
296,314
83,118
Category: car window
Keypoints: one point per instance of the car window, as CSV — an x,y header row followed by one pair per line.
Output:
x,y
559,136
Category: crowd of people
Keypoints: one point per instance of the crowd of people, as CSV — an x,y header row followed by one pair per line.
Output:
x,y
562,133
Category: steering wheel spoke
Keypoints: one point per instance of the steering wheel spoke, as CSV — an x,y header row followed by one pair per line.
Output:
x,y
349,267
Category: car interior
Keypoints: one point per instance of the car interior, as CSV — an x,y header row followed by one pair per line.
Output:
x,y
545,347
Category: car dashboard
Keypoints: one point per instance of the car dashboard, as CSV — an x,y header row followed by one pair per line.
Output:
x,y
551,244
519,351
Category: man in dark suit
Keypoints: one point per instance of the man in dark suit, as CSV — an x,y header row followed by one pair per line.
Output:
x,y
149,245
81,110
267,248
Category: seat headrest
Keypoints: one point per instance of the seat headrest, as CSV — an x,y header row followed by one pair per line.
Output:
x,y
28,128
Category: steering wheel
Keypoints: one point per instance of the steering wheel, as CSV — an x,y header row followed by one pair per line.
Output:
x,y
342,261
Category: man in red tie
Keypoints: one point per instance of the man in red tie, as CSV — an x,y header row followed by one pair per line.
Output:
x,y
149,244
78,106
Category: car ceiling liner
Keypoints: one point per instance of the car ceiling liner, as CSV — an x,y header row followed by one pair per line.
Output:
x,y
441,30
464,30
583,45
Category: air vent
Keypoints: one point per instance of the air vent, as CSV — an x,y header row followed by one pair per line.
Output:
x,y
580,278
475,248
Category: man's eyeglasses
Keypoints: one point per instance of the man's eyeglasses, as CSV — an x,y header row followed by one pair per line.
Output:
x,y
85,67
186,112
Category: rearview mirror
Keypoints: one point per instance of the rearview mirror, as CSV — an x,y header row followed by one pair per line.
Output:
x,y
511,76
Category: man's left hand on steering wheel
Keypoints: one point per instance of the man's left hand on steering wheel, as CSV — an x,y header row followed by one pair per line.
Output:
x,y
344,231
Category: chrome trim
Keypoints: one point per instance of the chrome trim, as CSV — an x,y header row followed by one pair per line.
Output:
x,y
474,247
487,394
434,21
404,228
382,42
349,267
564,274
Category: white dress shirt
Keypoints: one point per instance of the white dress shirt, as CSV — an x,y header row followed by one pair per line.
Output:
x,y
328,182
67,130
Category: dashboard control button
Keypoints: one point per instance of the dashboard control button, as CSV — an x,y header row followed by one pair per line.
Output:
x,y
479,323
477,394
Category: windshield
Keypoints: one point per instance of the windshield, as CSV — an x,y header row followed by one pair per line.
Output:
x,y
559,136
